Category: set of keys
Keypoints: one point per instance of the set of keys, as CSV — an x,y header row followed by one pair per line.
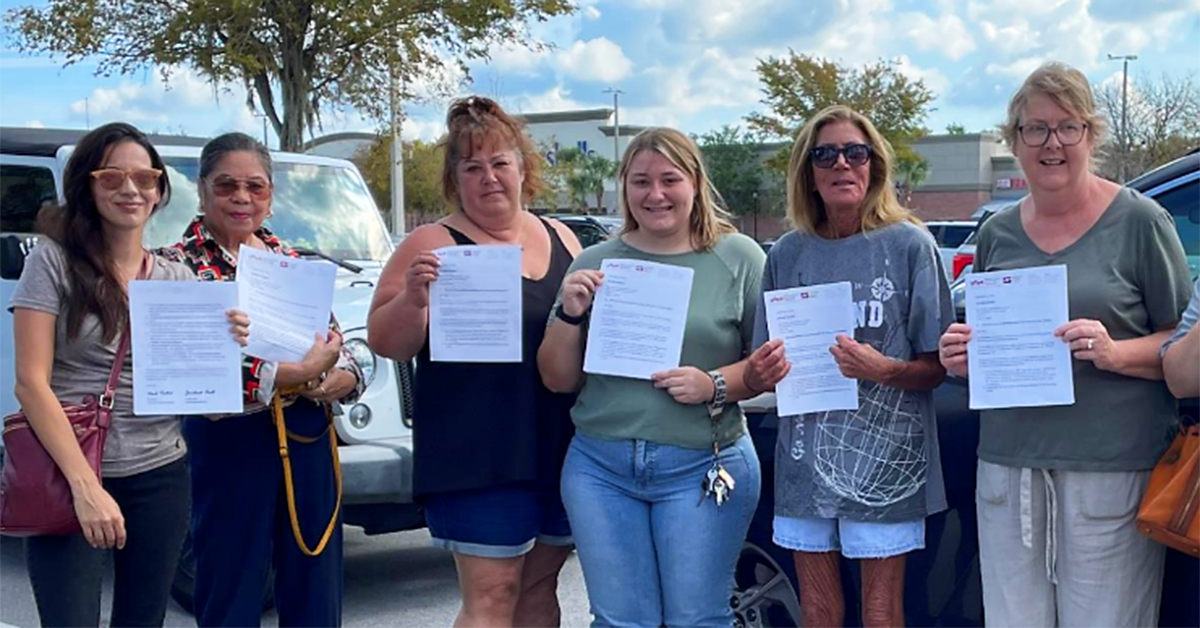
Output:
x,y
718,483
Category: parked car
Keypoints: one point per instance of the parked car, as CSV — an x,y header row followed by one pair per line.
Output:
x,y
589,229
323,207
950,234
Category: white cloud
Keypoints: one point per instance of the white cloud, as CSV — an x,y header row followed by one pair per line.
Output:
x,y
934,79
590,12
34,124
1014,39
947,34
156,104
557,98
595,60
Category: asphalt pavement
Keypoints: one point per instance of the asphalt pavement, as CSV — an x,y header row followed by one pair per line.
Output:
x,y
393,580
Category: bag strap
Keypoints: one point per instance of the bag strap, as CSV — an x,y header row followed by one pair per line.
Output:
x,y
114,374
284,434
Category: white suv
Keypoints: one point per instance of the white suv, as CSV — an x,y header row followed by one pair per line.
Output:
x,y
321,205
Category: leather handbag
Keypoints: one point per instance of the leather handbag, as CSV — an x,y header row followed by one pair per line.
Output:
x,y
1168,513
35,498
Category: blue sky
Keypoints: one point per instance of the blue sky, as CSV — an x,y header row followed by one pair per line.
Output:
x,y
685,63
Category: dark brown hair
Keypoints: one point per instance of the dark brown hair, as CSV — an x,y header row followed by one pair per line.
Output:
x,y
93,284
476,121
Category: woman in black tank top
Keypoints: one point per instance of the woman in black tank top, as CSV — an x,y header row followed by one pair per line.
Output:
x,y
489,437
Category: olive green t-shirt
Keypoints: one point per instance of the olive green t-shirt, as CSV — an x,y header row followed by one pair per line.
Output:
x,y
718,332
1128,272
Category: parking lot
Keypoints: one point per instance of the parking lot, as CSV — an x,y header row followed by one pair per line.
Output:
x,y
391,580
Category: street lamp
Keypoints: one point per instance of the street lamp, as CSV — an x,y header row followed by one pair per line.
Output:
x,y
616,94
264,120
1124,59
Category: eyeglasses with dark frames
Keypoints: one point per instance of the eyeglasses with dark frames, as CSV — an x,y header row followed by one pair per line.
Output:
x,y
1036,134
826,157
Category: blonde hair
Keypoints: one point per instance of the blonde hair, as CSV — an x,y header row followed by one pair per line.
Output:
x,y
474,122
1068,88
806,208
709,219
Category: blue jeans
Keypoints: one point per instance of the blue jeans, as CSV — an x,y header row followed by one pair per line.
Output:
x,y
652,553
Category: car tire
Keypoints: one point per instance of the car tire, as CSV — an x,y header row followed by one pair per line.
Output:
x,y
183,587
763,594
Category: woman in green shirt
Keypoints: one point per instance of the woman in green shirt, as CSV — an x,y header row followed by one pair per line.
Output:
x,y
656,547
1058,487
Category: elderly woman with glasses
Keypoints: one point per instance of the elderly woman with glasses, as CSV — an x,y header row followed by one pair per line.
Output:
x,y
245,517
859,483
1058,487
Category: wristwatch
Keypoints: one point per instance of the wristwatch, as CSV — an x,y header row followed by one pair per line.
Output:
x,y
717,405
567,318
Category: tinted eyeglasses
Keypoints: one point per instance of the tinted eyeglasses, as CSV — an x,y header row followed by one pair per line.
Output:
x,y
223,187
826,157
114,178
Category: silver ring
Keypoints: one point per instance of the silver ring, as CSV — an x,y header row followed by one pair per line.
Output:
x,y
1089,344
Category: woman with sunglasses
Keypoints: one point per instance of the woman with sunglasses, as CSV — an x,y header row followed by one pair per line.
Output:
x,y
859,483
241,523
70,309
1059,487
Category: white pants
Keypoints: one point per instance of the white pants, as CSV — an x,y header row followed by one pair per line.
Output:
x,y
1059,548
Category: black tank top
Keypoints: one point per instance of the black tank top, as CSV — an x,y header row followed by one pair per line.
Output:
x,y
480,425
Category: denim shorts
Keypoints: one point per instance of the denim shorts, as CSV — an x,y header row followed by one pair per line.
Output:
x,y
498,521
854,539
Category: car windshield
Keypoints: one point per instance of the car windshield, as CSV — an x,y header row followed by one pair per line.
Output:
x,y
321,207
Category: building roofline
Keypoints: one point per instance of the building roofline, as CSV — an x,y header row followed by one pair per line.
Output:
x,y
575,115
627,130
337,137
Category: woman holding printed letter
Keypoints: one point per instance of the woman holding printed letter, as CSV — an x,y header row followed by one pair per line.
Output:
x,y
70,327
1058,487
661,480
492,438
859,482
242,505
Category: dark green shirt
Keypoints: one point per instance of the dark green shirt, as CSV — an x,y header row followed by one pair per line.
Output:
x,y
1128,271
719,328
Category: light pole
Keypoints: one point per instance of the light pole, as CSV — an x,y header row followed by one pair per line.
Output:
x,y
616,93
399,226
264,120
1124,59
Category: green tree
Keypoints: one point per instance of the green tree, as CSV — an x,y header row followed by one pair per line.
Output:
x,y
734,165
557,169
296,58
594,171
796,86
422,177
910,174
955,128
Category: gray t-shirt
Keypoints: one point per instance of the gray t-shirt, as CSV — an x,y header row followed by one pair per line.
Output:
x,y
135,444
1128,271
880,462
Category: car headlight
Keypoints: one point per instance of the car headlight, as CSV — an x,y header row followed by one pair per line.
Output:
x,y
363,357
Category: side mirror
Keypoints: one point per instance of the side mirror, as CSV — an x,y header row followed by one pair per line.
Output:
x,y
1194,215
13,249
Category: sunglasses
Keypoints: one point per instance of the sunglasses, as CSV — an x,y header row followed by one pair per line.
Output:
x,y
826,157
258,189
114,178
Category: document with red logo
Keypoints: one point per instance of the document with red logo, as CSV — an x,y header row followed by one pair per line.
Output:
x,y
1014,359
809,320
288,301
475,305
638,318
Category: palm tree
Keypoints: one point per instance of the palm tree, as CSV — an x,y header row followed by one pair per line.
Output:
x,y
910,174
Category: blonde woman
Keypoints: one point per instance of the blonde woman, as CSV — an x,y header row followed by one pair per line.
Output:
x,y
1058,487
654,551
860,483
